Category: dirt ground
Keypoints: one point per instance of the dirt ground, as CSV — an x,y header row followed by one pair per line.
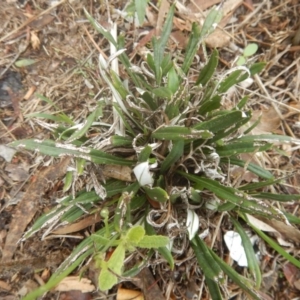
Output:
x,y
49,48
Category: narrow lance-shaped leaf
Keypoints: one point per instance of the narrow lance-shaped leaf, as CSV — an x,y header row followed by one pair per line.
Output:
x,y
49,147
256,169
159,45
176,133
210,268
253,263
88,123
175,153
192,47
243,201
239,280
100,28
276,246
209,69
140,7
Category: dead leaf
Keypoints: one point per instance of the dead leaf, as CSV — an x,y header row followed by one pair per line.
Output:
x,y
27,207
148,285
4,286
118,172
201,5
86,222
290,272
35,41
269,121
281,230
125,294
217,39
7,153
17,172
72,283
75,295
28,287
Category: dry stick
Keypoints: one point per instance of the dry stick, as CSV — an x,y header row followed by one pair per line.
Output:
x,y
94,43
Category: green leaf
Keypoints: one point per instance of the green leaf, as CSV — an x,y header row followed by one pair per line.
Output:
x,y
120,141
256,169
107,280
116,261
210,105
208,265
214,289
80,164
68,181
153,241
269,138
176,133
164,251
241,61
253,263
239,280
21,63
166,64
150,101
175,153
150,62
257,68
156,194
242,102
159,45
119,86
276,247
88,123
135,235
173,80
250,49
234,78
191,48
234,196
140,6
145,154
220,123
209,69
277,197
211,21
162,92
242,147
49,147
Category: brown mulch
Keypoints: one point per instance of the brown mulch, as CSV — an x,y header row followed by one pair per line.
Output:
x,y
56,50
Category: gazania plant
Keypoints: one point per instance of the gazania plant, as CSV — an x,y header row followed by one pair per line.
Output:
x,y
159,174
